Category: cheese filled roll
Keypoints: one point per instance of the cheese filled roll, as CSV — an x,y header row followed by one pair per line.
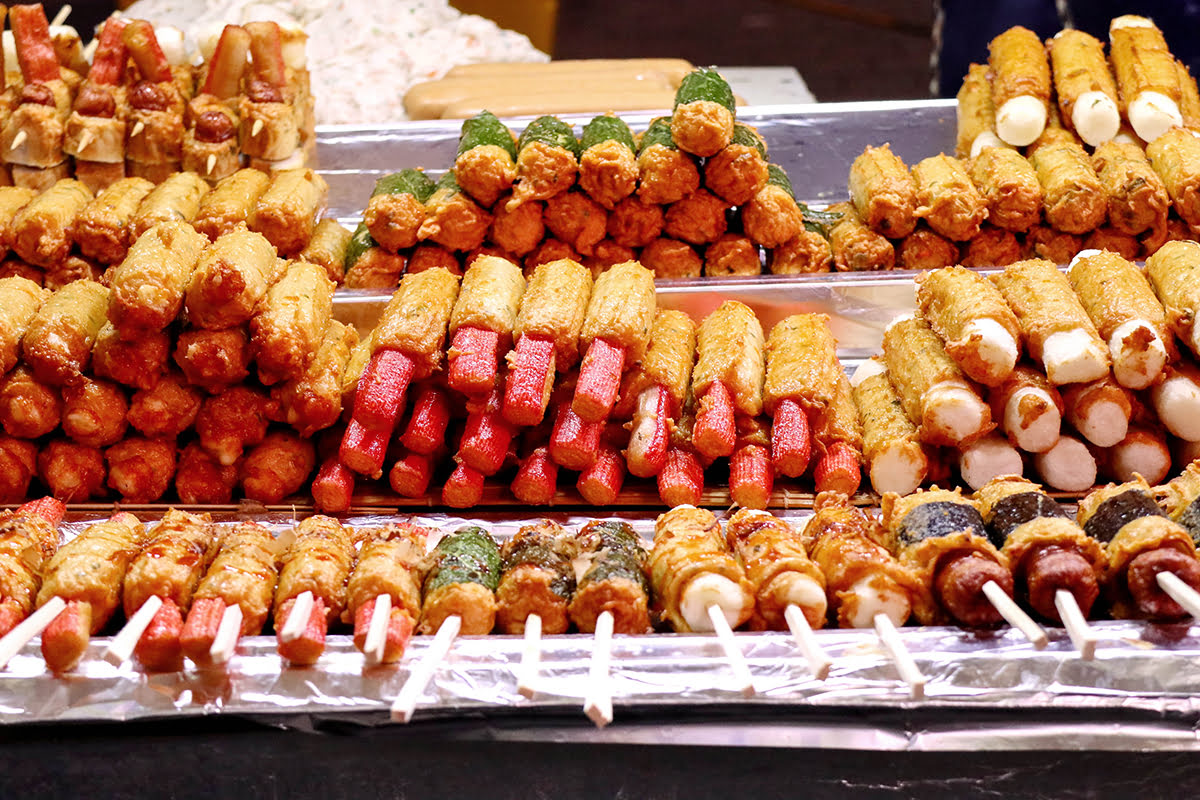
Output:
x,y
1087,93
1020,85
979,330
1146,76
975,114
883,192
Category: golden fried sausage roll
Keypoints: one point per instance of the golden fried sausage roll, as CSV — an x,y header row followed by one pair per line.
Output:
x,y
327,248
277,467
1073,197
732,351
202,480
20,299
883,192
102,229
166,410
808,252
29,408
59,339
1137,198
134,362
489,298
313,401
231,202
1087,93
1146,76
975,114
692,569
1127,315
287,211
991,247
1174,272
231,278
1028,409
1176,158
936,396
976,325
40,233
672,259
555,306
923,249
140,469
947,199
391,563
176,198
149,284
855,246
213,360
778,568
1020,85
288,327
1009,185
94,412
1057,329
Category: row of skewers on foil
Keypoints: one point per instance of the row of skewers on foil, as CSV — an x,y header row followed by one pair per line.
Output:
x,y
142,108
191,588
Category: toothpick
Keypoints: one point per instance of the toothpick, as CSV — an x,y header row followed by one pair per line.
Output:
x,y
737,659
298,618
531,654
18,140
376,642
138,127
85,139
1180,592
910,673
256,128
61,16
228,632
1082,635
210,164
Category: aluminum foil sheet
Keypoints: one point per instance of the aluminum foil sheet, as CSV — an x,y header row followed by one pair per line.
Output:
x,y
814,143
1138,693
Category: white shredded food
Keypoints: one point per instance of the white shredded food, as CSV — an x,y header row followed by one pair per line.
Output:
x,y
363,54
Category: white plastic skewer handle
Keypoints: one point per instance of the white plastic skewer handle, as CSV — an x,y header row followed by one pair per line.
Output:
x,y
376,642
138,127
18,140
1082,635
818,660
597,704
228,633
910,673
121,647
406,702
1180,592
28,628
737,659
256,128
89,50
297,618
531,654
61,16
1014,615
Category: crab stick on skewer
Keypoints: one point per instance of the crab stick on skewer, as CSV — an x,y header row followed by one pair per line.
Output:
x,y
801,381
311,592
728,377
653,393
390,565
1028,410
29,538
210,143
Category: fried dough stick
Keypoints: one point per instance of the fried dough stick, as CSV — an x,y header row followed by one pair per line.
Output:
x,y
95,130
210,144
316,567
977,327
693,569
1048,551
154,141
1087,92
1021,86
482,323
29,538
87,572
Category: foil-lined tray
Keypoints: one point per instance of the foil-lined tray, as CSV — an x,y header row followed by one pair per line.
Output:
x,y
1143,676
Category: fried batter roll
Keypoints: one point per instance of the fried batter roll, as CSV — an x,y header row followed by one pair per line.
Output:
x,y
397,208
318,561
991,247
102,229
286,213
702,119
1009,186
883,192
58,341
940,537
731,361
243,574
287,329
611,578
452,219
855,246
896,460
1073,197
176,198
923,249
72,471
485,165
148,285
313,400
1087,93
1055,325
1020,85
672,259
1047,550
1179,499
391,562
29,538
773,217
277,467
29,408
808,252
778,569
327,248
1146,76
936,396
463,575
1140,542
20,300
547,161
975,114
12,200
231,278
202,480
213,360
89,573
862,578
692,569
485,313
537,577
801,381
1127,315
1174,272
1189,97
979,330
175,556
1043,241
40,233
18,460
1175,156
608,169
739,170
667,174
230,203
415,319
1137,198
1028,409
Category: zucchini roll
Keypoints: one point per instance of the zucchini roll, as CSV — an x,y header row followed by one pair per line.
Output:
x,y
608,169
613,579
547,161
702,120
486,163
667,173
536,577
737,172
462,579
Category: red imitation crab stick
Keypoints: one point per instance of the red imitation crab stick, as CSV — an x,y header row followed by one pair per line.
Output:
x,y
728,376
426,429
311,591
28,539
481,326
802,376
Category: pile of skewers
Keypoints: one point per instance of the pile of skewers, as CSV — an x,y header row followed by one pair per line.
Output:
x,y
992,206
143,110
1079,374
694,195
191,588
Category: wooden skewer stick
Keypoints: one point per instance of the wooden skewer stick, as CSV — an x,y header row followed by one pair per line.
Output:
x,y
406,702
1082,635
597,704
121,647
818,661
376,641
228,633
1180,592
910,673
531,654
1014,615
737,659
18,140
298,618
28,628
61,16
